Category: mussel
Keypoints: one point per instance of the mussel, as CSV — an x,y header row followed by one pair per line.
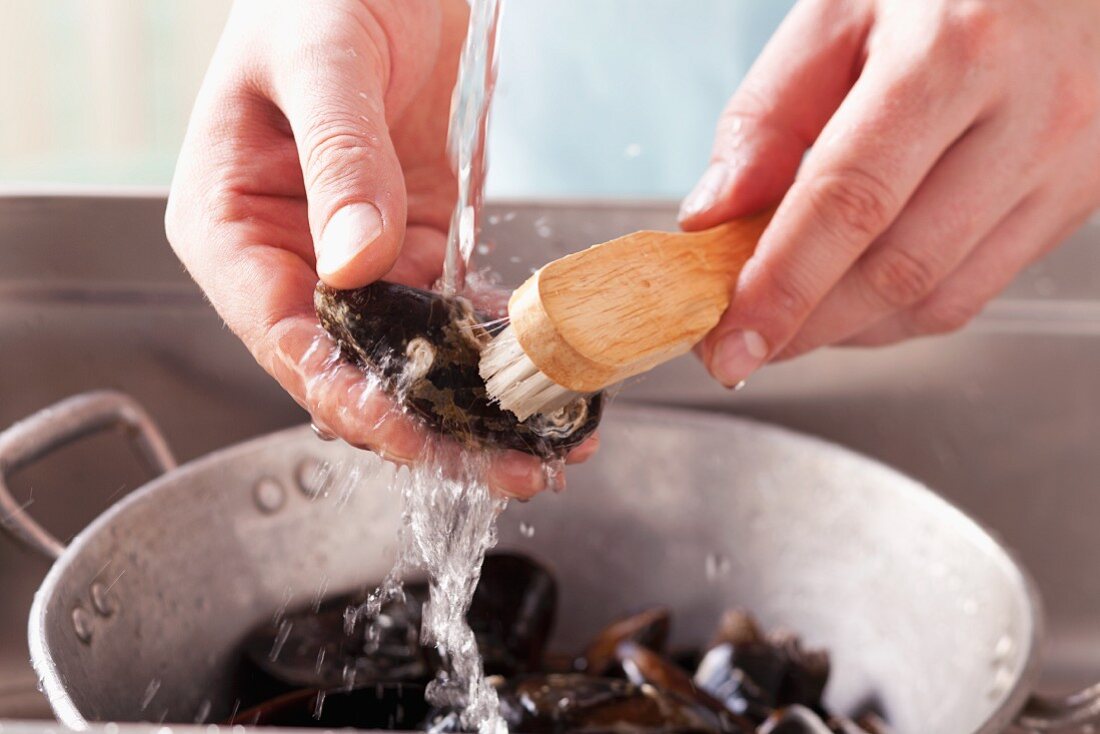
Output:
x,y
649,628
311,647
425,349
796,720
373,674
753,674
557,704
512,613
378,706
643,666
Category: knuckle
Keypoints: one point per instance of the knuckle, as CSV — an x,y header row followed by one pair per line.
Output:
x,y
851,200
896,278
336,152
944,315
1075,105
747,104
970,29
789,298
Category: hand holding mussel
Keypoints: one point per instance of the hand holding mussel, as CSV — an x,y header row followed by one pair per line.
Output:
x,y
425,348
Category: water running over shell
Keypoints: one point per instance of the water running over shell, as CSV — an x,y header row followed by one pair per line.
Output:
x,y
425,348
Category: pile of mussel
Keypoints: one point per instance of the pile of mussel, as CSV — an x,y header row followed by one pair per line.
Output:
x,y
321,667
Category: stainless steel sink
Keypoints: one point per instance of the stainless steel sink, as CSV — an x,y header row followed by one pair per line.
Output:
x,y
1002,417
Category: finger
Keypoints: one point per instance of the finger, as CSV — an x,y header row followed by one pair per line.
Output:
x,y
515,474
973,187
421,260
1033,229
273,315
789,94
889,132
339,399
585,451
335,103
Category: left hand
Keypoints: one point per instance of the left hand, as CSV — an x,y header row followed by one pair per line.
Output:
x,y
953,143
317,149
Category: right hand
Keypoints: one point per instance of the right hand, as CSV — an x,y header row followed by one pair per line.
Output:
x,y
317,147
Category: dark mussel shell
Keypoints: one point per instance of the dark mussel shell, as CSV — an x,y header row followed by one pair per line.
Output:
x,y
648,628
426,348
512,613
796,720
556,704
754,674
643,665
311,648
378,706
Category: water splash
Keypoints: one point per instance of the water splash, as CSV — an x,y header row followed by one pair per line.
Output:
x,y
448,525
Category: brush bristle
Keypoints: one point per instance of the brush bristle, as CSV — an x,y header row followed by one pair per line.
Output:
x,y
514,381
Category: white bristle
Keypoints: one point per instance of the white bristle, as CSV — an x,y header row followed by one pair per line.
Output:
x,y
514,380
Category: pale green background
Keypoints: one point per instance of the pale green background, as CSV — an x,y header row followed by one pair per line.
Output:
x,y
595,98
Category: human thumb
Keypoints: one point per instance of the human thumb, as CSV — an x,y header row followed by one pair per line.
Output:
x,y
354,183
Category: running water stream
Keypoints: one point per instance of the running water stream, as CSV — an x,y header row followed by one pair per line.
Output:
x,y
466,138
449,516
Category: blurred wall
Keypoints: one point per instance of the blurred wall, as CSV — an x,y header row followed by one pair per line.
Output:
x,y
99,91
596,97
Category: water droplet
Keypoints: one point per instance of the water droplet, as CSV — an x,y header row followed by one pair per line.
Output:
x,y
741,385
514,259
716,565
1002,651
319,705
350,673
633,150
509,216
526,530
102,600
150,693
543,228
82,624
1002,681
494,219
322,591
269,495
483,249
203,712
321,433
281,636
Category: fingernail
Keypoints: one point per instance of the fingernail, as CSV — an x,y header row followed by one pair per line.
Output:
x,y
350,231
516,475
737,355
706,192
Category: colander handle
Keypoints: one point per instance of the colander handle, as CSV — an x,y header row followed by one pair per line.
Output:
x,y
59,425
1062,713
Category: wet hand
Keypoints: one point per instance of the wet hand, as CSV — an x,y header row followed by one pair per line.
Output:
x,y
317,147
953,143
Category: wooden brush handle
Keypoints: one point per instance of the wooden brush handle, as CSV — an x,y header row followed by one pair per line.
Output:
x,y
619,308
